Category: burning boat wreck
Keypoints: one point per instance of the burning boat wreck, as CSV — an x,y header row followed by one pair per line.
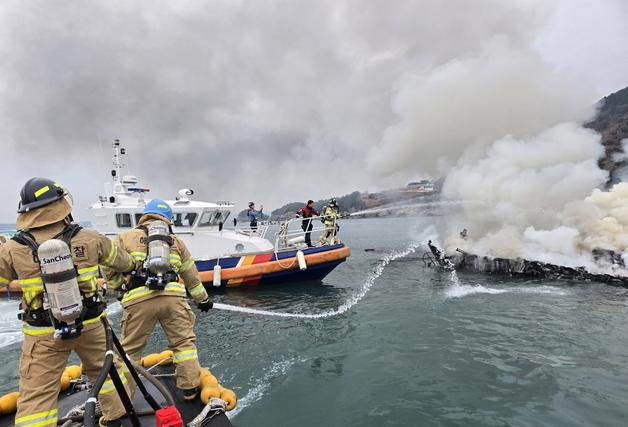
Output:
x,y
519,267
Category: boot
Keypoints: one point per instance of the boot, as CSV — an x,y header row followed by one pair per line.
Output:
x,y
190,393
113,423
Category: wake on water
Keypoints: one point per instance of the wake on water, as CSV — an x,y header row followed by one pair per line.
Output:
x,y
260,386
11,327
458,290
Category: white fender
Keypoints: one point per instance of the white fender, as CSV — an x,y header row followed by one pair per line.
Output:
x,y
301,259
217,274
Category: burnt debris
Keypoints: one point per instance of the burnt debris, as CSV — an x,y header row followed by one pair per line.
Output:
x,y
518,267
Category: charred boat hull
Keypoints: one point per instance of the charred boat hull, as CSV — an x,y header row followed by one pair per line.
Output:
x,y
519,267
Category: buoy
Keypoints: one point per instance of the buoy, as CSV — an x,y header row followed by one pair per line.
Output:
x,y
301,259
8,402
209,381
204,372
65,382
73,371
230,397
166,356
209,392
296,240
217,274
154,359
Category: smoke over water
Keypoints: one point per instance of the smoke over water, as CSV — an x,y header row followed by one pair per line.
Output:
x,y
538,198
276,101
270,101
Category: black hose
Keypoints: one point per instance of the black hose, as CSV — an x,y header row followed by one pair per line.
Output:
x,y
158,385
124,397
132,367
89,418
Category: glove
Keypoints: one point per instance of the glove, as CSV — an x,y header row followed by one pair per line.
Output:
x,y
205,305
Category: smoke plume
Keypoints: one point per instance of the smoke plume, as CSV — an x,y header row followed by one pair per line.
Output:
x,y
273,100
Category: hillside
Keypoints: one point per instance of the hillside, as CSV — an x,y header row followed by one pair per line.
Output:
x,y
348,203
612,123
357,201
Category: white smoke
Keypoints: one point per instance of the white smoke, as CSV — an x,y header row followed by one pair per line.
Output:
x,y
538,198
271,101
472,101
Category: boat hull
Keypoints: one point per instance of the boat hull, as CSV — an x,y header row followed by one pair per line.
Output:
x,y
274,268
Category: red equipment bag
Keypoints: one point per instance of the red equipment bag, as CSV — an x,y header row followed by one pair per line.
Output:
x,y
168,417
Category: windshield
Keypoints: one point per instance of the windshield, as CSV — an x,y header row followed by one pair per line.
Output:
x,y
184,219
210,218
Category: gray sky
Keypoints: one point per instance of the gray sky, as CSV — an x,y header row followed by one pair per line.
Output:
x,y
276,101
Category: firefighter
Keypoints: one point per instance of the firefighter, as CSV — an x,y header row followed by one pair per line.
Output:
x,y
44,213
330,217
153,293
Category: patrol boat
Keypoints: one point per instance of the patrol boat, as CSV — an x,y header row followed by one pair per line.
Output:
x,y
224,257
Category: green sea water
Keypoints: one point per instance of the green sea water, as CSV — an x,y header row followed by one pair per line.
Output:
x,y
412,346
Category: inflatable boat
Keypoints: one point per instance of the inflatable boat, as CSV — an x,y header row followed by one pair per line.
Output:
x,y
157,401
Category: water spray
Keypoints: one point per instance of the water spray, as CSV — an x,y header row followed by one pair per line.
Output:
x,y
366,286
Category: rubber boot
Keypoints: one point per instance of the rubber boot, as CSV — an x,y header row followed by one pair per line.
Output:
x,y
190,393
113,423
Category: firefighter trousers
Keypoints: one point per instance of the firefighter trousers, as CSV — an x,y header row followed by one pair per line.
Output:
x,y
177,320
41,365
329,236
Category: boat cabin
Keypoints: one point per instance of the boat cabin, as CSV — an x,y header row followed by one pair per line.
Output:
x,y
198,224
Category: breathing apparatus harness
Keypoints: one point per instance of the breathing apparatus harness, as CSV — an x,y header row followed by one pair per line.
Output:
x,y
65,306
156,272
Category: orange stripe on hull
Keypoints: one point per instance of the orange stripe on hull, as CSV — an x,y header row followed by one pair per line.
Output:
x,y
237,275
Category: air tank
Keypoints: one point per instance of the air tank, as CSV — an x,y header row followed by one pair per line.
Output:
x,y
158,258
59,276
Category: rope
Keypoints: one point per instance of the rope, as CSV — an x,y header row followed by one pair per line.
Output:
x,y
281,265
214,405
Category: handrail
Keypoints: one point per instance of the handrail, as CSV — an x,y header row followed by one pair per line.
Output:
x,y
260,231
292,232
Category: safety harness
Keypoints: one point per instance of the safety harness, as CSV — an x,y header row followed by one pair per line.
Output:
x,y
40,317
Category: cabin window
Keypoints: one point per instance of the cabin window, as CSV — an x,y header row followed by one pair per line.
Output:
x,y
212,218
123,220
137,217
184,219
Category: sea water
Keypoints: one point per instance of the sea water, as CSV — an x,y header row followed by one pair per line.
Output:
x,y
387,341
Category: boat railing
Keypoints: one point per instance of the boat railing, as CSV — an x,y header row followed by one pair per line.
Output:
x,y
292,233
261,230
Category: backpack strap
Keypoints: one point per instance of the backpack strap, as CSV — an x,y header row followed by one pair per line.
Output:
x,y
25,238
68,233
